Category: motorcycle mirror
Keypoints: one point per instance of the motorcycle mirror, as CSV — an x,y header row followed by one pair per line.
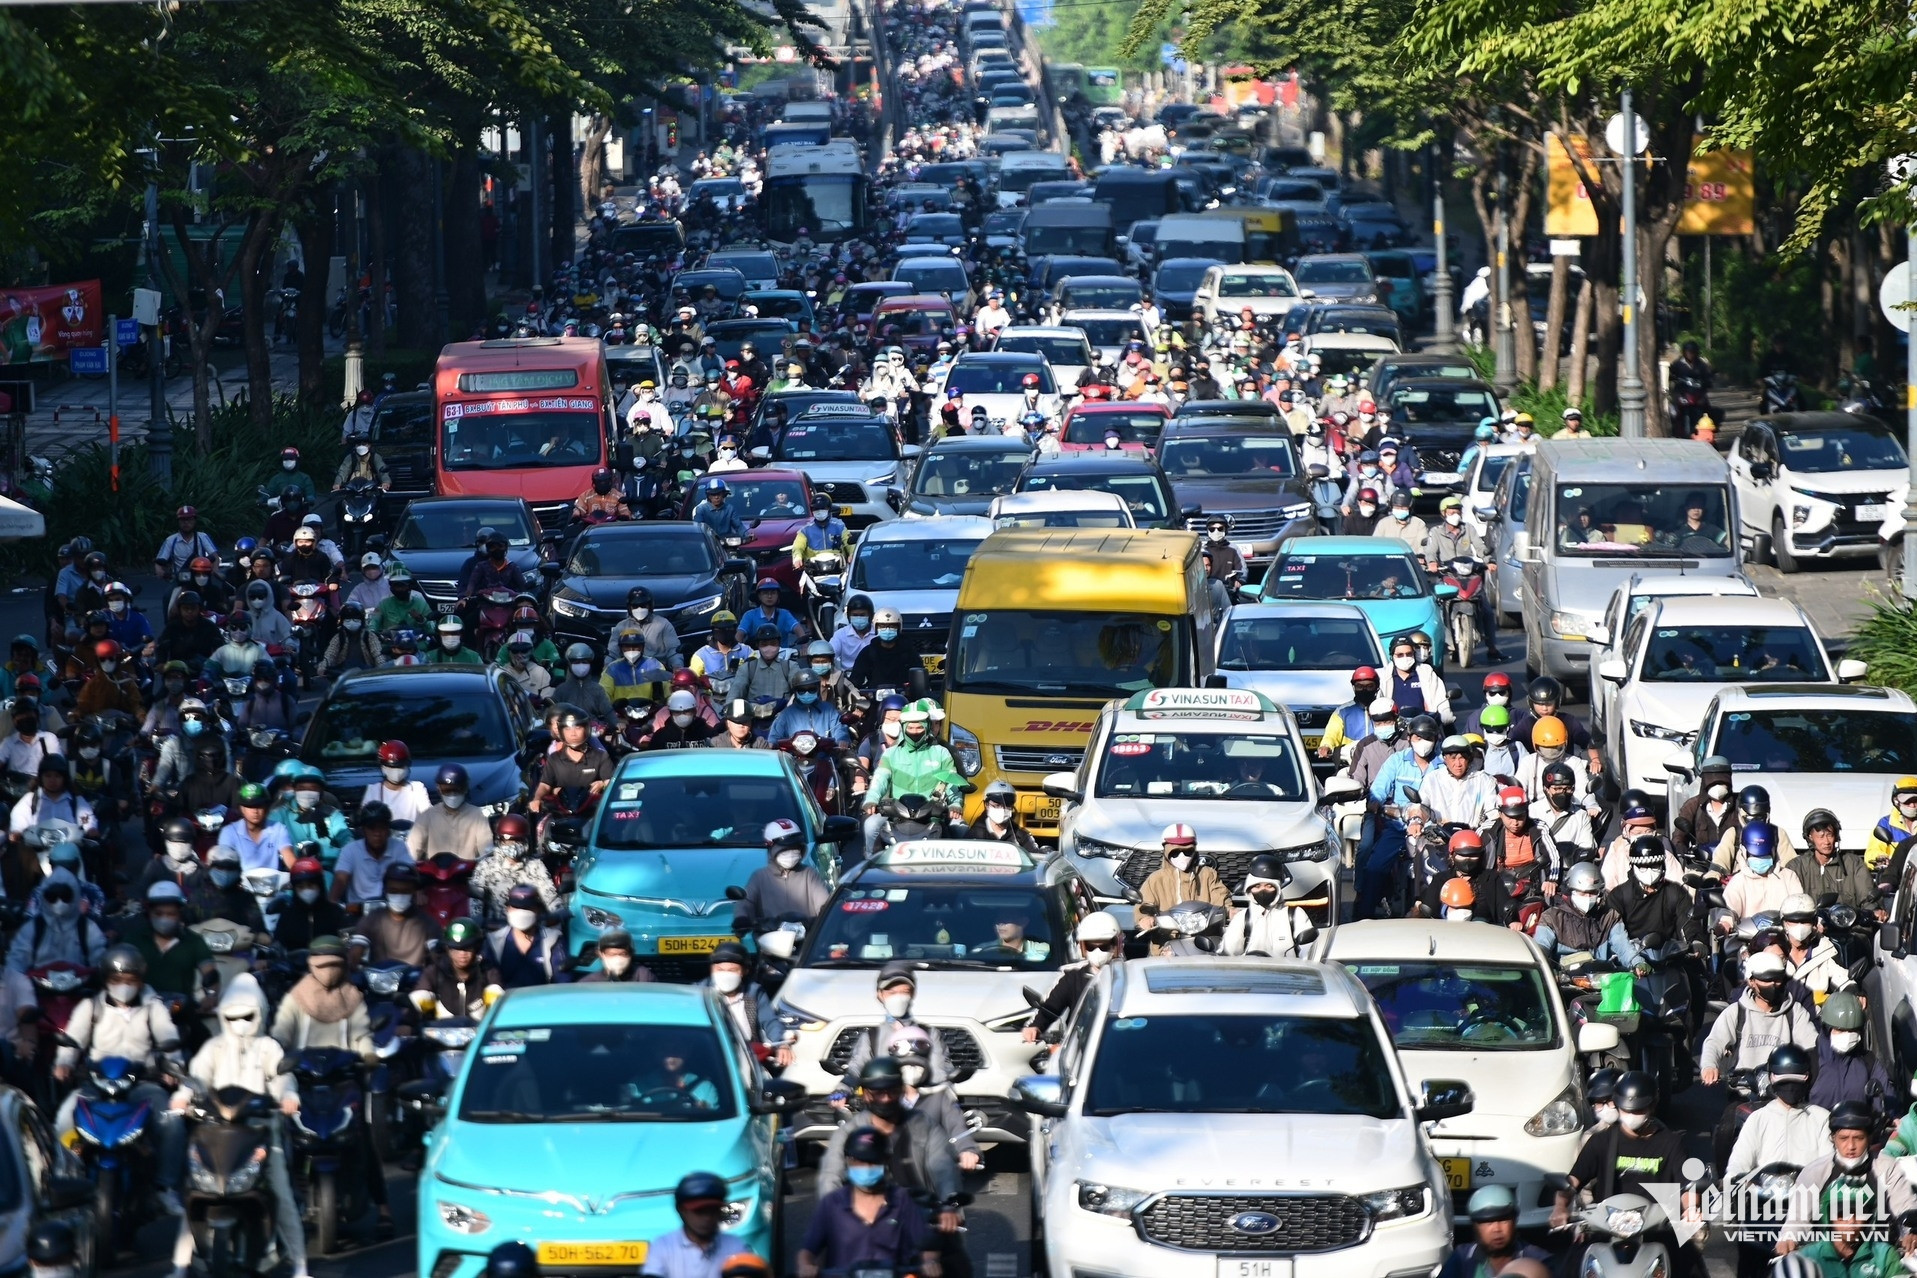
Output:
x,y
735,893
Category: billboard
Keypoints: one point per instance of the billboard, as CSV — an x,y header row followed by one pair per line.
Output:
x,y
40,325
1719,197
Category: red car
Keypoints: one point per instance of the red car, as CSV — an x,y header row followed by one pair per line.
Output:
x,y
1138,425
774,504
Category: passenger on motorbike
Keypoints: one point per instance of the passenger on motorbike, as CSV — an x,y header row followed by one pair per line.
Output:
x,y
1847,1169
93,899
835,687
1635,823
163,716
1828,869
308,813
1812,960
1757,885
1699,825
308,913
886,662
127,1019
51,799
396,927
528,950
808,711
662,639
372,589
1549,740
1846,1069
1267,925
1764,1017
59,931
579,689
770,614
1753,805
999,821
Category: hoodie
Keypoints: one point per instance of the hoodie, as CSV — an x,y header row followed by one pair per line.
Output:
x,y
242,1054
1745,1033
46,938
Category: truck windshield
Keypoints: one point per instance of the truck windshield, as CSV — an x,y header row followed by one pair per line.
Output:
x,y
1080,654
509,438
1643,519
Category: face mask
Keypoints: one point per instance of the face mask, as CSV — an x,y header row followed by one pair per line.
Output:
x,y
998,813
453,800
512,851
119,605
1405,663
1099,958
362,449
399,902
395,776
861,624
1385,731
727,982
632,656
1367,470
521,920
225,878
352,627
890,731
1769,992
1181,861
308,895
1423,748
99,574
888,633
865,1177
1606,1115
808,698
1550,754
307,800
1457,915
639,614
1633,1122
1799,932
1496,738
682,718
1844,1042
166,925
289,464
59,911
1719,793
822,668
245,1025
1367,509
914,1075
580,669
769,653
449,642
257,603
897,1006
90,752
124,994
1453,518
181,852
1850,1164
616,964
176,686
1401,513
788,858
1760,864
1647,875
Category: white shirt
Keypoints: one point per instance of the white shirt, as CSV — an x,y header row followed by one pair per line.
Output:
x,y
35,807
1779,1134
407,802
19,754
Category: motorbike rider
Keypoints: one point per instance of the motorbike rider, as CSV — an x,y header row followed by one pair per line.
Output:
x,y
1690,374
266,624
307,813
361,462
452,649
396,927
60,931
372,589
1580,920
1466,856
1182,877
751,1010
785,889
509,864
578,763
1826,868
917,764
1351,723
1812,960
896,988
1100,942
1788,1128
1545,699
1496,1245
854,632
765,678
1699,825
1398,819
267,704
835,687
635,674
998,822
528,950
450,825
459,979
51,799
846,1233
516,658
1893,829
718,513
1227,565
1757,885
1847,1167
1414,687
604,502
886,662
352,647
699,1246
1567,827
823,534
309,913
1637,1153
1516,839
1847,1070
580,690
616,965
490,568
680,726
662,638
127,1019
808,712
187,635
401,610
1648,902
1764,1017
182,547
1455,794
219,892
719,660
770,614
1550,742
1267,925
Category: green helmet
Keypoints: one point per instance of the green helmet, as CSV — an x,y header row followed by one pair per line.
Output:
x,y
1842,1011
464,934
1494,717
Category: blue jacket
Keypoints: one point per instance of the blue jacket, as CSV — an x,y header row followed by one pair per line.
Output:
x,y
821,717
771,1030
132,630
725,521
1400,770
784,622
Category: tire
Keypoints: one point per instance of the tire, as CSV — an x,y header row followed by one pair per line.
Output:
x,y
379,1119
1781,547
219,1261
326,1213
106,1205
1464,637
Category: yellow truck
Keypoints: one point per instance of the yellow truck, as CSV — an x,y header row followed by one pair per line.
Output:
x,y
1052,624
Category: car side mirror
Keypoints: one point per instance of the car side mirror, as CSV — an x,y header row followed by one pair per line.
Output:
x,y
761,453
1597,632
1891,937
839,829
1040,1094
68,1193
738,567
1851,670
778,1096
551,571
1677,763
1486,513
1762,472
1033,999
1217,681
1444,592
1613,671
1061,785
910,452
1444,1098
1595,1036
735,893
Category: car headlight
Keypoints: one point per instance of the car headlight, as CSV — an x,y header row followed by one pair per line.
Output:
x,y
1398,1204
797,1018
700,607
1800,515
1297,511
462,1219
1559,1118
599,920
1109,1200
1676,736
965,751
1100,849
1323,850
570,608
1570,625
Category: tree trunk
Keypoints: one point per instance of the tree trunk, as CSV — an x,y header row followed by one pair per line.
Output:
x,y
1609,337
377,264
1554,324
1580,346
1520,213
592,162
255,269
412,254
563,186
315,228
465,280
205,274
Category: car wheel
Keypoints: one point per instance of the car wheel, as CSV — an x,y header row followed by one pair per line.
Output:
x,y
1781,546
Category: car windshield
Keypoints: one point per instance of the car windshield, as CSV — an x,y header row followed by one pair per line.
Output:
x,y
1057,351
931,277
1255,284
1859,447
1200,765
1091,654
1381,576
504,434
455,526
717,810
948,925
728,340
968,473
999,378
1733,654
1218,1064
1228,456
1421,405
599,1074
1021,177
919,320
1837,740
1642,519
778,305
672,554
1132,427
1439,1007
766,498
435,722
1491,472
1181,278
935,224
1308,272
1109,332
1355,322
829,439
1145,494
911,565
1004,222
1099,296
754,266
1280,642
727,284
1350,363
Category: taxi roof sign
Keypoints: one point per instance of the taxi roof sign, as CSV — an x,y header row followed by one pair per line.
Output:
x,y
1201,703
955,854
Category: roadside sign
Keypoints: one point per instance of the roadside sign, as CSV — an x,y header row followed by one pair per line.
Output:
x,y
1614,134
1566,248
1893,294
88,361
128,332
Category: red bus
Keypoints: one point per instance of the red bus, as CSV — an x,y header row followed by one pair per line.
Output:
x,y
527,417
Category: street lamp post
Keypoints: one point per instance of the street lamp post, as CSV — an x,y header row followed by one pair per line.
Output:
x,y
1445,338
1630,382
159,430
1504,338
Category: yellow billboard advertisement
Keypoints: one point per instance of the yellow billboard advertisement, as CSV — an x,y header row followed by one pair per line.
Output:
x,y
1719,199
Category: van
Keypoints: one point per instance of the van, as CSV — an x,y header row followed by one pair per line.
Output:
x,y
1137,193
1080,229
1197,235
1601,509
1051,624
1018,171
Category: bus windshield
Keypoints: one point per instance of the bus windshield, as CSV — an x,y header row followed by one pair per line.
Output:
x,y
831,207
1078,654
509,435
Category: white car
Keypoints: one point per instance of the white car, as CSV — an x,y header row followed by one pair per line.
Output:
x,y
1634,596
1816,485
1481,1005
1836,746
1228,290
1064,348
915,566
1110,331
1300,656
1061,508
995,380
1681,652
1236,1118
853,456
1227,762
1481,483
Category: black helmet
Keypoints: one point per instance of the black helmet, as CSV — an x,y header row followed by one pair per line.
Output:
x,y
1634,798
1424,726
1818,818
452,776
123,960
805,681
1647,849
602,481
1852,1116
1790,1062
85,733
51,1243
512,1260
639,597
1636,1092
1545,689
1603,1086
699,1186
868,1144
1267,866
1754,803
1559,773
178,830
882,1072
820,501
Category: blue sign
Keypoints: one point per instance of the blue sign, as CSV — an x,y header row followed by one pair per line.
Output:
x,y
128,332
88,361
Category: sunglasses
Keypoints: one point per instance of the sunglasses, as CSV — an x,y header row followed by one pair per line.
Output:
x,y
57,894
1098,945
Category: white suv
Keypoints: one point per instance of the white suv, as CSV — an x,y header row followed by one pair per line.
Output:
x,y
1236,1118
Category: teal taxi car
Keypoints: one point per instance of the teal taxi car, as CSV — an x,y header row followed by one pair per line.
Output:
x,y
575,1112
1381,575
674,830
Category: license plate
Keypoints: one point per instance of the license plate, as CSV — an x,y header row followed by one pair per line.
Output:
x,y
623,1254
1457,1173
446,606
691,944
1878,511
1312,741
1263,1267
1039,809
934,663
845,512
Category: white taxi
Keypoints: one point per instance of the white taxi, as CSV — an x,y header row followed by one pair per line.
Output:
x,y
1228,762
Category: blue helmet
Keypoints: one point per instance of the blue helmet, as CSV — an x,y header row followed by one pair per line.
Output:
x,y
893,702
1486,432
287,769
1759,840
717,486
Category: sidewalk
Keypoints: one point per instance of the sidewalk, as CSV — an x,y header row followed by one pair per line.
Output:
x,y
74,413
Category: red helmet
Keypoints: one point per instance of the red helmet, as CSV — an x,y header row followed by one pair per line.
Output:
x,y
201,564
1029,381
686,677
1364,674
1465,840
186,512
512,828
525,616
307,868
289,453
1497,679
394,754
107,650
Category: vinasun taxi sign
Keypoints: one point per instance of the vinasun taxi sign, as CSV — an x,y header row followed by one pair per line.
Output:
x,y
955,854
1200,703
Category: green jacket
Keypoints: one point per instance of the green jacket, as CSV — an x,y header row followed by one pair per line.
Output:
x,y
322,825
915,769
1871,1260
460,656
393,615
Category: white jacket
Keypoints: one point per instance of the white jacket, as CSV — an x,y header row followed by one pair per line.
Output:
x,y
1777,1133
243,1055
1271,931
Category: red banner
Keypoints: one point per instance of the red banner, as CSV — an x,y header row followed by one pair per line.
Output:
x,y
38,325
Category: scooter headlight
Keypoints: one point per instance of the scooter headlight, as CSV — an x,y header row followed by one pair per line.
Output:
x,y
1626,1223
247,1178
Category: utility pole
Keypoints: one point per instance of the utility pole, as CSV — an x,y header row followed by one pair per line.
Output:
x,y
1630,382
1445,338
159,429
1910,435
1504,341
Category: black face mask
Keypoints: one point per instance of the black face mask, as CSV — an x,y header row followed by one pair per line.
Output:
x,y
891,1111
1771,992
1560,801
1791,1092
1266,897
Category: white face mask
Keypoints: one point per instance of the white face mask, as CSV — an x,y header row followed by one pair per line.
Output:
x,y
399,902
1455,915
580,669
1844,1042
616,964
1606,1115
1181,861
727,982
1719,793
395,776
449,642
1423,748
1799,932
997,813
897,1006
1585,902
1405,662
453,802
789,858
352,627
306,799
639,614
1453,518
1633,1122
1647,875
181,853
682,718
521,920
116,605
914,1075
1496,738
90,752
1099,958
309,895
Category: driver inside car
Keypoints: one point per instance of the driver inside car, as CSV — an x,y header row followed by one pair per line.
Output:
x,y
1009,927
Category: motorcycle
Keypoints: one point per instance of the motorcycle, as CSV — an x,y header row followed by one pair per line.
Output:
x,y
327,1155
1761,1208
229,1200
114,1147
268,887
1689,401
1466,577
386,983
1626,1238
1750,1091
817,760
264,750
1190,929
1326,493
819,583
444,886
358,513
914,816
493,618
310,617
1780,394
1652,1012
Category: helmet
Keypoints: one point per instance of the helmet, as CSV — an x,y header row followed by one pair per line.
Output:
x,y
1560,774
782,833
579,652
1180,835
1497,680
451,776
700,1187
1493,1202
1636,1092
1798,908
1424,727
375,814
1457,895
1266,868
178,830
308,868
820,648
1000,789
512,828
1097,926
1791,1063
882,1072
1754,803
524,896
1467,843
639,597
1602,1085
887,617
1821,818
464,934
718,486
1759,840
451,624
1549,731
1852,1116
682,702
1029,381
512,1260
107,650
1582,877
124,960
1647,849
820,501
1842,1010
1545,690
803,681
394,754
868,1145
1904,786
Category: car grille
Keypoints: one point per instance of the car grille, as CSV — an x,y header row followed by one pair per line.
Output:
x,y
1231,866
925,632
436,588
1312,718
1442,460
961,1049
676,969
849,494
1246,525
1040,758
1203,1222
553,514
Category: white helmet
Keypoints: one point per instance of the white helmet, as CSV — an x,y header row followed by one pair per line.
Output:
x,y
681,701
1097,927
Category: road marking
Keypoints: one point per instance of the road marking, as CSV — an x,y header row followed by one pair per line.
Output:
x,y
1001,1264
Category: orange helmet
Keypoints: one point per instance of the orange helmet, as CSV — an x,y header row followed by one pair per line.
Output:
x,y
1457,895
1549,730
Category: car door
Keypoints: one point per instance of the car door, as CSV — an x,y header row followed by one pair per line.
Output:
x,y
1897,977
1612,649
1205,300
1622,696
1756,498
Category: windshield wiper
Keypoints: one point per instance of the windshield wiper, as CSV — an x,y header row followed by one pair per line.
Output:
x,y
502,1116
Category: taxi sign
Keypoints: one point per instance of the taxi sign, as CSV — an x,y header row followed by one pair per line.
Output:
x,y
1200,703
955,854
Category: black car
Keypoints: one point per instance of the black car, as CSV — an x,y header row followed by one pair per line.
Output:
x,y
689,575
961,474
1175,283
1226,466
472,715
1226,408
1131,476
403,438
437,536
1438,417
